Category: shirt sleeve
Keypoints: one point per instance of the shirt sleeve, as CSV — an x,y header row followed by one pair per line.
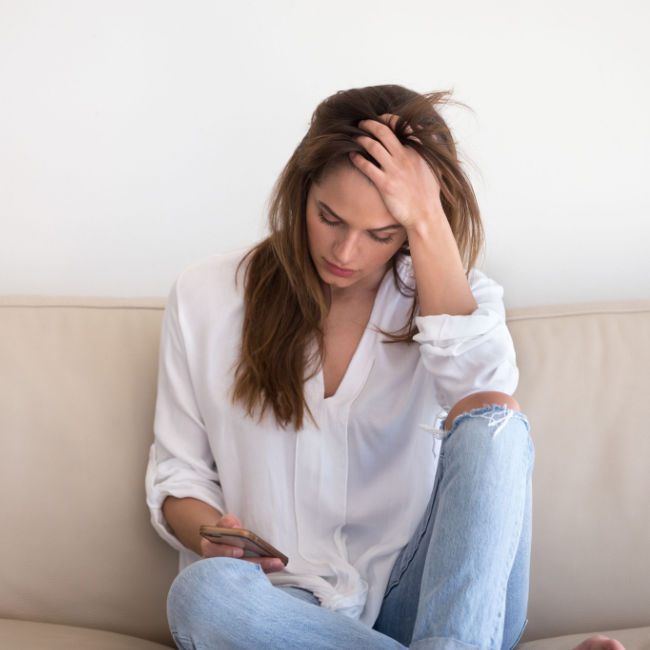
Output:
x,y
468,354
181,463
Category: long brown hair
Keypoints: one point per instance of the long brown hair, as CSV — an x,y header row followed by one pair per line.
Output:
x,y
285,307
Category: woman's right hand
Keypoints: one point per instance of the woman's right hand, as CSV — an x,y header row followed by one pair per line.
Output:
x,y
212,549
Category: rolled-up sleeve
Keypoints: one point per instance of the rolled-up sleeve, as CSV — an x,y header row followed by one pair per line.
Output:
x,y
472,353
181,463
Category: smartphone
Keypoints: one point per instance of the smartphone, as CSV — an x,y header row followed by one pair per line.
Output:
x,y
252,545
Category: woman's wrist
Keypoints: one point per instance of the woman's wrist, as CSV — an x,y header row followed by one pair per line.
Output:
x,y
439,272
185,516
429,226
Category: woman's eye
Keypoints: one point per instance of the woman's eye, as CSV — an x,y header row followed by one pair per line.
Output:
x,y
327,221
383,240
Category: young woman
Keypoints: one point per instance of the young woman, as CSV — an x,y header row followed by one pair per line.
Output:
x,y
344,390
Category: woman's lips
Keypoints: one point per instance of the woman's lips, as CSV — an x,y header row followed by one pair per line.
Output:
x,y
337,270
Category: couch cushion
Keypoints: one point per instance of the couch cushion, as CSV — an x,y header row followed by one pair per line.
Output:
x,y
77,391
637,638
585,385
44,636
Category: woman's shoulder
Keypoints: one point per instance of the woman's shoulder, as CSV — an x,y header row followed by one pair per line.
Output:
x,y
214,280
219,270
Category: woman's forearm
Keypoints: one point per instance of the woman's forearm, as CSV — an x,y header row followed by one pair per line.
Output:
x,y
439,273
185,516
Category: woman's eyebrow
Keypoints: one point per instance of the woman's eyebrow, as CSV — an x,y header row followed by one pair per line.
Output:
x,y
396,226
327,208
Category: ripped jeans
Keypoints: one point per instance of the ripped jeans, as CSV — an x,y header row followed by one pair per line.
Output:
x,y
460,583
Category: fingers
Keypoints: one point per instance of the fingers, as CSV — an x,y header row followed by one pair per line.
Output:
x,y
385,138
229,521
212,549
385,147
267,564
392,120
373,172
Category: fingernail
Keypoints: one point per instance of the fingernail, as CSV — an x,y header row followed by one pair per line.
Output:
x,y
237,552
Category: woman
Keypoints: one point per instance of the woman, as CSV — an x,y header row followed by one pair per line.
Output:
x,y
299,386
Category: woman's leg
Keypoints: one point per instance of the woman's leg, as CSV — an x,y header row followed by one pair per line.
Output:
x,y
226,603
462,581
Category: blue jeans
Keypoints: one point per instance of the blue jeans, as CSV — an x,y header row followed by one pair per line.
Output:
x,y
460,583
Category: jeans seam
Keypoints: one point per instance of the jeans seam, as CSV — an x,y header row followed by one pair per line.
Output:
x,y
425,528
180,640
503,588
521,633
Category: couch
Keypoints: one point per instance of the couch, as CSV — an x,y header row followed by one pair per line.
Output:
x,y
82,568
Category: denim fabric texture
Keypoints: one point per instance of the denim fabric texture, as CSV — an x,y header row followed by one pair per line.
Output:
x,y
461,582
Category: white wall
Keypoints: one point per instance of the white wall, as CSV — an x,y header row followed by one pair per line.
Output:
x,y
139,135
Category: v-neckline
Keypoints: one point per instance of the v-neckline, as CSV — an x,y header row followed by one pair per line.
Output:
x,y
357,370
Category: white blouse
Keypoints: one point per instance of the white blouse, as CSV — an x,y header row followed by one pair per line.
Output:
x,y
342,498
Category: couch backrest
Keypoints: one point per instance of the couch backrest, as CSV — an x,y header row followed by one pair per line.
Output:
x,y
77,391
585,385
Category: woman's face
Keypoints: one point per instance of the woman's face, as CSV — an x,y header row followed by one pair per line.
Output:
x,y
351,234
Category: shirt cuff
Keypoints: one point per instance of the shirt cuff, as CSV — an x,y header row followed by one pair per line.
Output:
x,y
454,333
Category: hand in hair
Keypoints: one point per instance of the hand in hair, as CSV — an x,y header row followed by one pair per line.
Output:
x,y
411,193
408,187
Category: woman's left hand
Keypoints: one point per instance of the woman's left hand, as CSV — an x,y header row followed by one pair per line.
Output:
x,y
406,183
410,191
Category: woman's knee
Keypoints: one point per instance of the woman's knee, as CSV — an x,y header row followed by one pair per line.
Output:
x,y
215,588
480,400
488,428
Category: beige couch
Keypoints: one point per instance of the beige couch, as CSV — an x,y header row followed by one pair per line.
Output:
x,y
81,567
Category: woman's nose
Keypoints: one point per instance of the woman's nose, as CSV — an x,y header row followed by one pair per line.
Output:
x,y
344,248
